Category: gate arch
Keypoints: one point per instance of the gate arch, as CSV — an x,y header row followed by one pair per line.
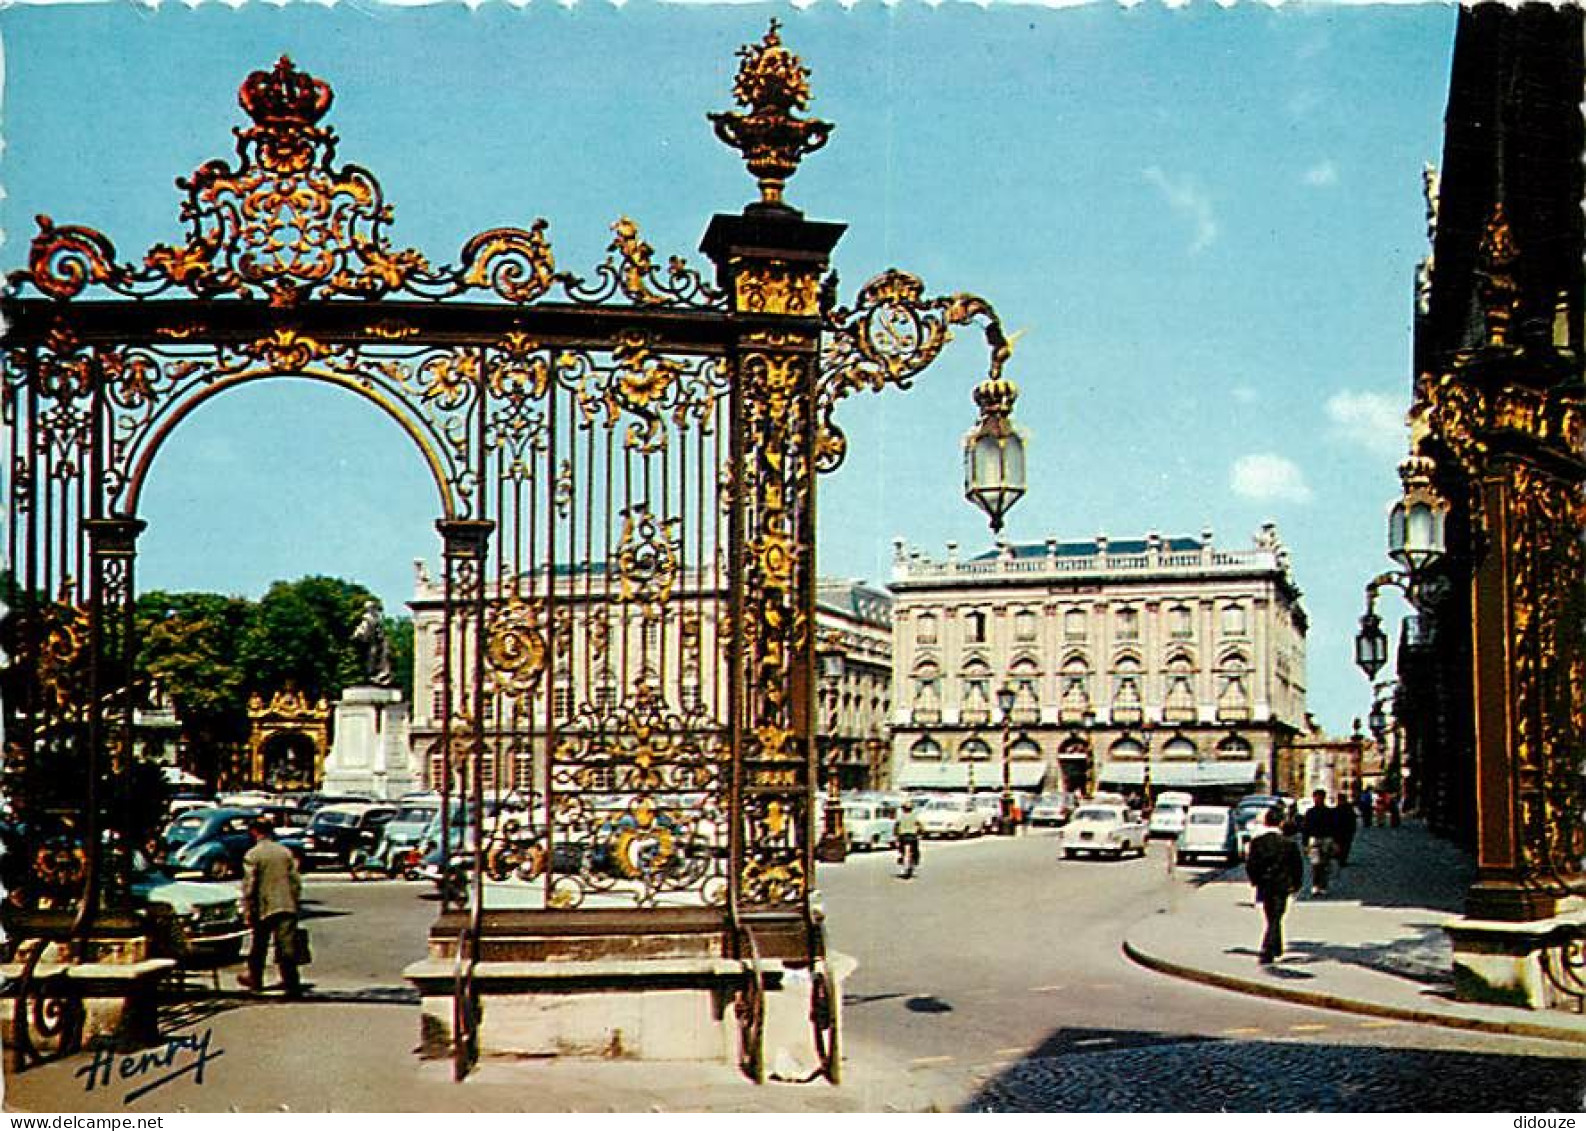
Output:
x,y
623,459
140,461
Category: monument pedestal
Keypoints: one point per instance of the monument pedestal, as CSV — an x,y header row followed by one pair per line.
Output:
x,y
372,752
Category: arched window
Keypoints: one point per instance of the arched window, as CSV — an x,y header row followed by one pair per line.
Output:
x,y
1024,747
1126,750
1233,687
974,750
1025,678
1126,701
925,628
1025,624
1235,748
926,749
1180,747
1180,622
1179,703
927,681
1075,624
974,627
1075,700
1234,621
975,692
1127,621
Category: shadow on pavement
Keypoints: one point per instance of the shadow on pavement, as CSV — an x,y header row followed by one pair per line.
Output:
x,y
1108,1070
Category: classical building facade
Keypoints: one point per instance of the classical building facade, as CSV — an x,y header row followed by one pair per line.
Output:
x,y
854,682
1146,663
624,667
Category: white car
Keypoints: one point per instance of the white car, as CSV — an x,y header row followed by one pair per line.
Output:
x,y
990,807
1167,819
1103,829
1209,831
869,824
950,816
1052,809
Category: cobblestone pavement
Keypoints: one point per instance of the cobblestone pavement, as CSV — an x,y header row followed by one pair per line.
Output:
x,y
1136,1072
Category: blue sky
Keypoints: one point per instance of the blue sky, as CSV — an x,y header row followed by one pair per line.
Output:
x,y
1205,222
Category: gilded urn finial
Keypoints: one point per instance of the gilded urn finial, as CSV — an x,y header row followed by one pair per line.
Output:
x,y
773,83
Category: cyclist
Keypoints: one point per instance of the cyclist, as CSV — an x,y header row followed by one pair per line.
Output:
x,y
906,833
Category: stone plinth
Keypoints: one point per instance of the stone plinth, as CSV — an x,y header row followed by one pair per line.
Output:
x,y
372,752
1506,963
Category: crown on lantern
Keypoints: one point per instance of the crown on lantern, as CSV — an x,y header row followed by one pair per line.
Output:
x,y
995,396
284,96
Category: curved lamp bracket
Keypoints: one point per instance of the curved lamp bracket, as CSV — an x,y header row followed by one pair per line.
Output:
x,y
887,337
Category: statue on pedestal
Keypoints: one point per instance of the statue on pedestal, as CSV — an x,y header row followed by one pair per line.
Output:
x,y
370,636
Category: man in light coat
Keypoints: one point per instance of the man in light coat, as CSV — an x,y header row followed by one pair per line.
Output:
x,y
272,890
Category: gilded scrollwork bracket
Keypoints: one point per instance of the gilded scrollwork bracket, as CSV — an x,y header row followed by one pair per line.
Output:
x,y
887,338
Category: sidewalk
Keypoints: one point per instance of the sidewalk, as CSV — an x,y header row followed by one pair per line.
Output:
x,y
1373,945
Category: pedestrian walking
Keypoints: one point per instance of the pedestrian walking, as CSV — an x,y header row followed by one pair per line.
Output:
x,y
1276,869
1344,828
1393,810
272,892
1367,804
1317,830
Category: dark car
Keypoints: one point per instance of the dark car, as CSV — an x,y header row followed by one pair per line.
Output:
x,y
339,830
209,841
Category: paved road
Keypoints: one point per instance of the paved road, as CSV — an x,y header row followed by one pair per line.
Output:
x,y
998,968
995,977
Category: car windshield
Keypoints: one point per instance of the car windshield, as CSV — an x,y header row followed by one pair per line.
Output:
x,y
335,820
1169,807
414,814
859,812
1097,816
1208,819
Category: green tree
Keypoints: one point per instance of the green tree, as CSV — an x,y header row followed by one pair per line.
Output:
x,y
191,643
301,636
399,630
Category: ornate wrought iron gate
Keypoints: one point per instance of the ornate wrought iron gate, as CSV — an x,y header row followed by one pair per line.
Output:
x,y
625,467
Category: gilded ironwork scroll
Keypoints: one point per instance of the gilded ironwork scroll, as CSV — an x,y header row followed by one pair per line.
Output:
x,y
889,336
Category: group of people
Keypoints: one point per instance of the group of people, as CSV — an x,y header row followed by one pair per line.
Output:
x,y
1275,860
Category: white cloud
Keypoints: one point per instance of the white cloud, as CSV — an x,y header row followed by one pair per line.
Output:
x,y
1186,198
1373,421
1322,175
1264,477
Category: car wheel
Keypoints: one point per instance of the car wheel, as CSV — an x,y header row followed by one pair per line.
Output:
x,y
217,869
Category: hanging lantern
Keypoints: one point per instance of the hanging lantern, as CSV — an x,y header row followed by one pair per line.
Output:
x,y
994,452
1371,645
1416,538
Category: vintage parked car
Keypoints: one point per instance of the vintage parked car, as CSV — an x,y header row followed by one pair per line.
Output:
x,y
188,920
1249,815
1104,829
1052,809
869,824
407,831
208,841
338,830
1167,819
1208,831
954,816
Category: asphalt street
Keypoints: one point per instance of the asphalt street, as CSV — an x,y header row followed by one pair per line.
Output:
x,y
992,981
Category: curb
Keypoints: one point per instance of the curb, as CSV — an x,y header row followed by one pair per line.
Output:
x,y
1351,1005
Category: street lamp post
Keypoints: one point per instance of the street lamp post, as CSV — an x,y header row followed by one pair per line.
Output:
x,y
1005,698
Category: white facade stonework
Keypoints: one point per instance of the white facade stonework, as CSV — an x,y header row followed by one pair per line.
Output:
x,y
679,656
1166,661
